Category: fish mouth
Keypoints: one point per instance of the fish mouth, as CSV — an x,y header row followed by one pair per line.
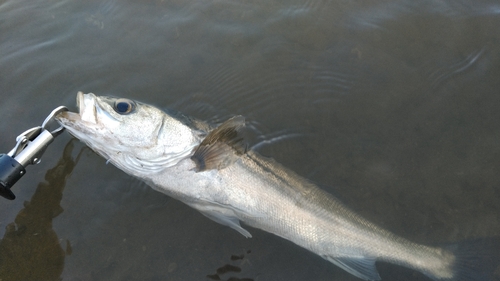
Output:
x,y
85,125
82,125
86,104
87,111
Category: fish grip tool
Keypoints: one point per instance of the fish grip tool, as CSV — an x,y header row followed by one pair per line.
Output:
x,y
29,148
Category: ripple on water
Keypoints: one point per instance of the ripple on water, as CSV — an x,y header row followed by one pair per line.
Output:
x,y
258,88
373,15
442,74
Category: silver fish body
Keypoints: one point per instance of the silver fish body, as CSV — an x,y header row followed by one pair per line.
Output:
x,y
204,168
264,194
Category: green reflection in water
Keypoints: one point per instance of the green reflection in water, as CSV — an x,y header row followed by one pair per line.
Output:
x,y
30,249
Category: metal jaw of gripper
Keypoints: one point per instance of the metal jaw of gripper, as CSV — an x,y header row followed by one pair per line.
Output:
x,y
29,148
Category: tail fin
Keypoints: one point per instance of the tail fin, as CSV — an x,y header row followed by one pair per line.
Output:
x,y
476,260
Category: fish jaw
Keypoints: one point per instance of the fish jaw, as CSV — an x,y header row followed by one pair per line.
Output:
x,y
87,107
84,125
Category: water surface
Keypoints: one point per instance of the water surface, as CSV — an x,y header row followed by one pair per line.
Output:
x,y
390,105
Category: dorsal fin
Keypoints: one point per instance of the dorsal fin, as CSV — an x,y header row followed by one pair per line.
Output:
x,y
221,147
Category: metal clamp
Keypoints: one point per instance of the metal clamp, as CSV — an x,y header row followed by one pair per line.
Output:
x,y
29,148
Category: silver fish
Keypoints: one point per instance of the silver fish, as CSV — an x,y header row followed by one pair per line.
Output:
x,y
209,169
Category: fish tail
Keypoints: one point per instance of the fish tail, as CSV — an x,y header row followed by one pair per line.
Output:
x,y
475,260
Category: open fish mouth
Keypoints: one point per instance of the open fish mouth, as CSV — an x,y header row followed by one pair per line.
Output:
x,y
87,107
85,120
85,124
87,111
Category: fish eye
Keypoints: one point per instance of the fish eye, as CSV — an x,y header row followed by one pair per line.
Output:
x,y
124,106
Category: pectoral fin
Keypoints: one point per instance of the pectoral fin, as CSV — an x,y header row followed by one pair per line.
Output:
x,y
363,268
223,214
221,147
226,220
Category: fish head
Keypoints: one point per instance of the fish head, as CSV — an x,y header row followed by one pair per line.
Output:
x,y
136,137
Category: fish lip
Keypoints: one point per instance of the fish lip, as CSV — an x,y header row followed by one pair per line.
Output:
x,y
87,104
79,101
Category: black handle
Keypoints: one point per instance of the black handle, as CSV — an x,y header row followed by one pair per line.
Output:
x,y
10,172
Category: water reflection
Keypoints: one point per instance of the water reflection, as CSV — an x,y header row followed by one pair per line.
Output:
x,y
30,248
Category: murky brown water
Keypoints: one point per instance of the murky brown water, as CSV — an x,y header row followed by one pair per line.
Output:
x,y
390,105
